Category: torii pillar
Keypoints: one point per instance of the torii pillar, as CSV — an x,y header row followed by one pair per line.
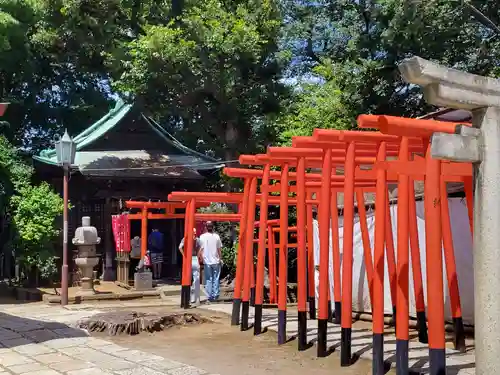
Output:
x,y
480,145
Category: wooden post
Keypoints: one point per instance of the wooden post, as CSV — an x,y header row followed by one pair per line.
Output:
x,y
324,229
301,254
378,262
283,256
261,251
346,320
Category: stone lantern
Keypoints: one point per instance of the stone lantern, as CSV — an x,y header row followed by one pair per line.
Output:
x,y
86,240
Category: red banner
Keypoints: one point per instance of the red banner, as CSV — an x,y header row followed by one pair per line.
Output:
x,y
115,223
126,233
121,232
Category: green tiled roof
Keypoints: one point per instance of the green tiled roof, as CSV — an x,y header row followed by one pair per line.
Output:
x,y
108,122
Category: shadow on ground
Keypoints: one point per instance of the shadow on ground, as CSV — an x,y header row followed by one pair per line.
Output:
x,y
16,331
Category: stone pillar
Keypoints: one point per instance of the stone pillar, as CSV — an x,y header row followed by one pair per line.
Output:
x,y
86,240
481,146
487,243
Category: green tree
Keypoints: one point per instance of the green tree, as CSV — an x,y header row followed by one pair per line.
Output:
x,y
315,105
362,42
214,69
28,213
49,70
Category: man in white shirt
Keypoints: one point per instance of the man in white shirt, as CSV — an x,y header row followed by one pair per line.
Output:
x,y
211,247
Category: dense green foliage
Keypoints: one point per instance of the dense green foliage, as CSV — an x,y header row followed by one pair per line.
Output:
x,y
357,44
225,76
28,213
212,70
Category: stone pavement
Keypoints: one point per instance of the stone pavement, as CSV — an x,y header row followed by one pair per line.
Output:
x,y
457,363
38,339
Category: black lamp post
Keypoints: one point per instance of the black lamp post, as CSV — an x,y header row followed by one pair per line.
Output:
x,y
65,152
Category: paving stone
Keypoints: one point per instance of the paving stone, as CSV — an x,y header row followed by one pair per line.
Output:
x,y
41,335
29,367
74,364
80,351
54,325
187,370
137,356
66,342
52,358
11,359
70,332
44,372
162,365
33,349
140,371
11,343
97,343
8,334
111,348
114,364
28,327
89,371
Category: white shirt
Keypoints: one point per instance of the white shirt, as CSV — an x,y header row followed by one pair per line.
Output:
x,y
210,243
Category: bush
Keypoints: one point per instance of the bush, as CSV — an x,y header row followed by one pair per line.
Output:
x,y
35,211
28,214
229,259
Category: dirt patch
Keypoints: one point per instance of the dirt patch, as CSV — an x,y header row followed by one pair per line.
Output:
x,y
222,349
133,322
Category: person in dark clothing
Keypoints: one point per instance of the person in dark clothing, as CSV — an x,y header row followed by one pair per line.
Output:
x,y
156,243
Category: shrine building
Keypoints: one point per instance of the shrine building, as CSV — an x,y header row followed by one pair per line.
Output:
x,y
126,155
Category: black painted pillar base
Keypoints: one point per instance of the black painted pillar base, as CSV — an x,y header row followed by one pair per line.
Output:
x,y
378,354
245,309
322,331
402,357
338,313
252,296
459,341
257,325
185,296
302,330
394,316
437,362
235,315
281,327
345,347
330,313
312,308
422,327
182,296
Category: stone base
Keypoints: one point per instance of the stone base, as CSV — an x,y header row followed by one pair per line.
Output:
x,y
143,281
85,292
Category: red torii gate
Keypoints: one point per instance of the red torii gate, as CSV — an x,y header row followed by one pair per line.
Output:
x,y
348,148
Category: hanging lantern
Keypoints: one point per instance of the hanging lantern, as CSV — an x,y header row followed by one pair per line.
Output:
x,y
65,150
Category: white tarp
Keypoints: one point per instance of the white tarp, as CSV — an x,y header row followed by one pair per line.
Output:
x,y
462,241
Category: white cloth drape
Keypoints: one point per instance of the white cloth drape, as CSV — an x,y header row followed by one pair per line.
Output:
x,y
462,241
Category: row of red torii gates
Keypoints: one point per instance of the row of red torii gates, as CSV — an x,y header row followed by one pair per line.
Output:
x,y
398,153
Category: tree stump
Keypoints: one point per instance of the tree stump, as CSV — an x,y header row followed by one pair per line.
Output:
x,y
133,323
